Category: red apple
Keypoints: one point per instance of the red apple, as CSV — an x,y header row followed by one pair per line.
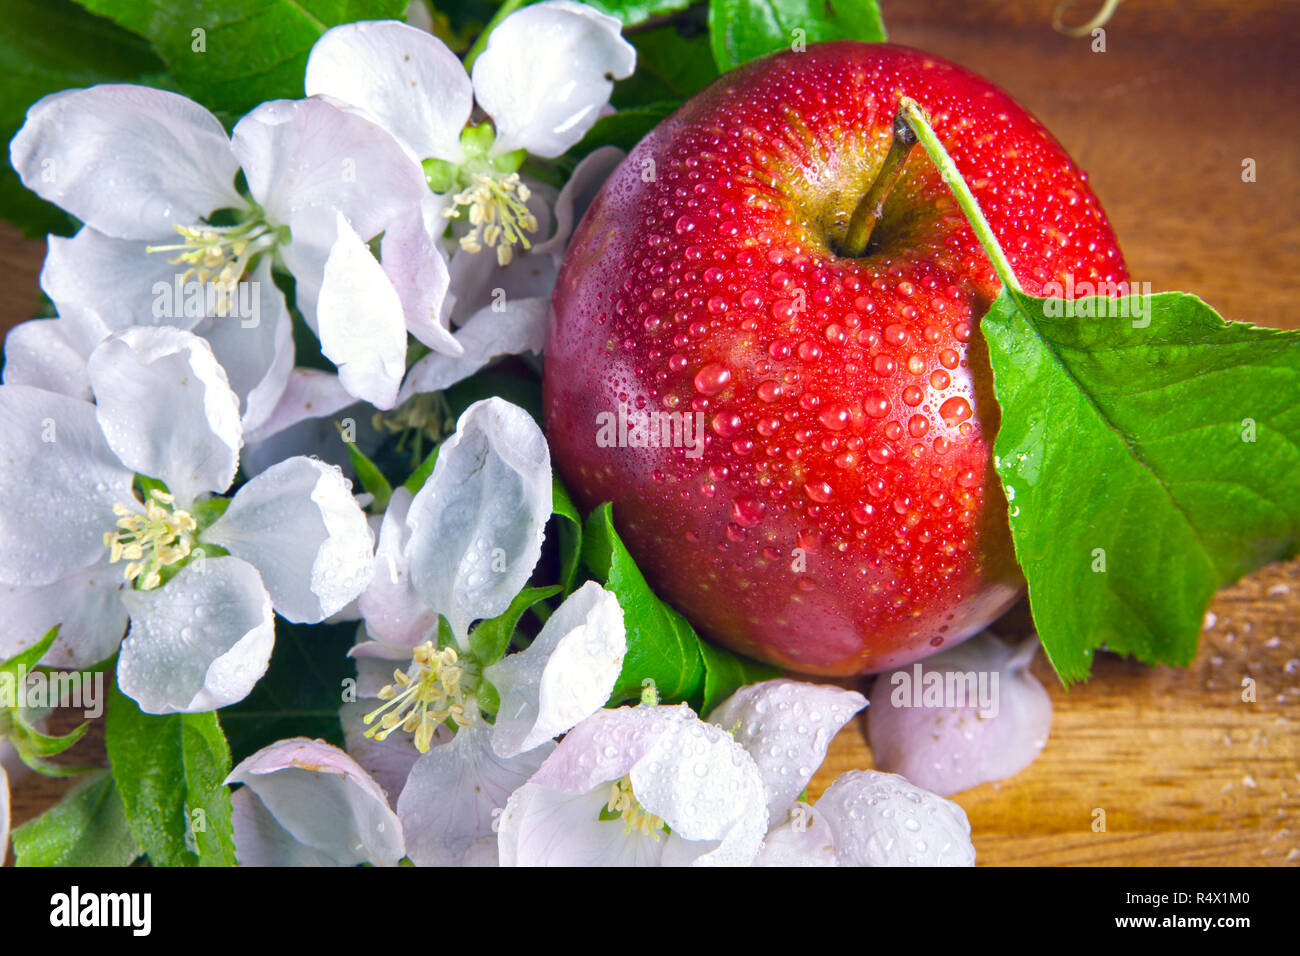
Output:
x,y
843,515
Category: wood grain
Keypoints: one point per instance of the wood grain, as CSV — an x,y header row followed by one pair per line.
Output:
x,y
1186,772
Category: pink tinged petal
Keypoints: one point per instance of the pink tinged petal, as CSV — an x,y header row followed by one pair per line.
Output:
x,y
415,263
254,344
786,726
4,815
479,283
87,606
299,525
404,78
311,155
578,193
127,160
607,745
388,761
999,730
393,612
111,284
453,795
520,327
545,75
708,790
44,353
167,410
309,393
199,642
565,675
804,839
880,819
58,484
545,827
360,322
324,800
261,841
476,526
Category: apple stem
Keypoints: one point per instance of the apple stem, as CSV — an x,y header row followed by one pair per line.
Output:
x,y
871,207
911,113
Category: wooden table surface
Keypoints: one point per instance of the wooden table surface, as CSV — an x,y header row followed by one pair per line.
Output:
x,y
1186,772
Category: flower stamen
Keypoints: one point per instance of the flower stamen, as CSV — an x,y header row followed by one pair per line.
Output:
x,y
622,802
437,687
219,254
152,541
496,207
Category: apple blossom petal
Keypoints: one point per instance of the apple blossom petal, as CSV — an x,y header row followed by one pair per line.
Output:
x,y
43,353
167,410
416,265
564,676
546,73
786,726
388,761
254,344
880,819
112,284
521,327
481,284
404,78
325,800
578,193
309,393
299,525
199,642
360,321
453,794
128,160
394,613
706,787
545,827
606,746
1000,730
301,155
477,524
261,841
804,839
59,481
87,606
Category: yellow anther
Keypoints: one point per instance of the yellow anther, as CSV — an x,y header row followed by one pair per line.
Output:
x,y
220,254
496,207
152,541
623,802
436,688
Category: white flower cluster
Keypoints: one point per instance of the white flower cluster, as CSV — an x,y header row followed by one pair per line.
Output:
x,y
398,200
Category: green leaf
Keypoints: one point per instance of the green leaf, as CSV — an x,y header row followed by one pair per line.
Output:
x,y
632,12
569,533
661,644
170,770
231,55
1148,460
417,478
372,479
671,66
488,641
625,128
743,30
301,692
51,45
725,673
27,659
88,827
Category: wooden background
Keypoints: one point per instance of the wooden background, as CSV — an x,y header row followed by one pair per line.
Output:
x,y
1186,772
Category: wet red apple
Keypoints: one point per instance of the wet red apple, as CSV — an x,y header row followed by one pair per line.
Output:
x,y
839,514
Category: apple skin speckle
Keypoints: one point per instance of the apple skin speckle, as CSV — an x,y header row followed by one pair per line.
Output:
x,y
843,515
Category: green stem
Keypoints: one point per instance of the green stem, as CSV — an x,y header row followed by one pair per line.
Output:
x,y
871,207
915,117
503,11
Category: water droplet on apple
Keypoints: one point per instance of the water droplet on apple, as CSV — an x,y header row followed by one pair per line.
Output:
x,y
712,379
955,410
